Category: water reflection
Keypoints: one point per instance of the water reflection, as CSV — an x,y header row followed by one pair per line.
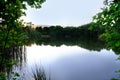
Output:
x,y
72,59
87,43
63,59
11,58
88,66
74,62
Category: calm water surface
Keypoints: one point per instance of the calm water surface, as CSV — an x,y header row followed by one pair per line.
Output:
x,y
72,62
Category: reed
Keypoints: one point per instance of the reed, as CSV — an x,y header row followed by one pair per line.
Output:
x,y
38,73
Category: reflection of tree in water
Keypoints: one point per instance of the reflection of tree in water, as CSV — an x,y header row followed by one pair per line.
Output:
x,y
11,57
87,43
19,55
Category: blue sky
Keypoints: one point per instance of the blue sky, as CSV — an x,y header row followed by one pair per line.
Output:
x,y
64,12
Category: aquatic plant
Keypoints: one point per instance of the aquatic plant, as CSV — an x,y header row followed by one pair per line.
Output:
x,y
39,73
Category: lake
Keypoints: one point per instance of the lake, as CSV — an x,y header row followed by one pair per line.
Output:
x,y
71,62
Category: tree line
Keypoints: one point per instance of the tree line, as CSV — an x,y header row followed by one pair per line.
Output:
x,y
65,32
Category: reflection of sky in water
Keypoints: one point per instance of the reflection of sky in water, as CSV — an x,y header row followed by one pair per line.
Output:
x,y
48,54
74,63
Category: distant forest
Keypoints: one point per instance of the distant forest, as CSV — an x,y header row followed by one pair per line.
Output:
x,y
58,32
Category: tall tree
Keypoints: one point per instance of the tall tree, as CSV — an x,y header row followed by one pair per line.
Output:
x,y
11,31
109,20
10,12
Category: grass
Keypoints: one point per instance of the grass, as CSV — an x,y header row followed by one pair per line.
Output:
x,y
39,73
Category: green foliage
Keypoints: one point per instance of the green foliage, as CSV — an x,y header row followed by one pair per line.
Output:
x,y
68,32
109,20
58,35
11,37
2,76
11,57
114,79
14,76
11,33
117,78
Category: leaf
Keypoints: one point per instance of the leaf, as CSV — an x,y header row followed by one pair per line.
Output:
x,y
16,74
114,79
